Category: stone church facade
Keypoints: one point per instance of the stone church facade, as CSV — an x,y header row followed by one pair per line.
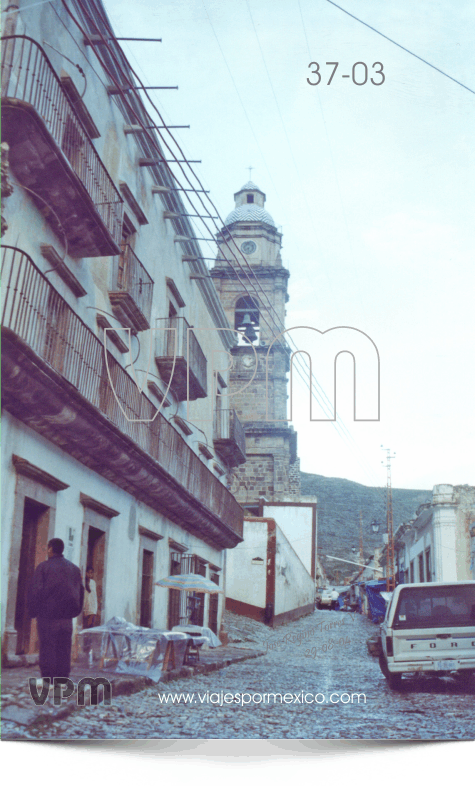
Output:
x,y
251,281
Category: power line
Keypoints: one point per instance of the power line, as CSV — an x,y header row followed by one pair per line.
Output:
x,y
402,47
152,139
338,425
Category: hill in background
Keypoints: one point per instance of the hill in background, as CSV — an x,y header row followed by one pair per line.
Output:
x,y
339,504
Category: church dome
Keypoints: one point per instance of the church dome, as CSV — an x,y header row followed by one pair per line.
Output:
x,y
249,212
249,206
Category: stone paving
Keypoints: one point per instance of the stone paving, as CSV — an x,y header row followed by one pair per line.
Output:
x,y
324,654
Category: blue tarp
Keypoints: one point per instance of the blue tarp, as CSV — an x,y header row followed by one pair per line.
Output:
x,y
377,604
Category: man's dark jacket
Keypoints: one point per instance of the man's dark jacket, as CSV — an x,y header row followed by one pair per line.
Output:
x,y
56,590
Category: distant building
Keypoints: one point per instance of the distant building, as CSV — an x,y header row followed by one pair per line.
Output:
x,y
101,275
439,544
298,522
265,578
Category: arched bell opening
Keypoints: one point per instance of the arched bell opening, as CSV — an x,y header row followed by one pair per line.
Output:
x,y
246,318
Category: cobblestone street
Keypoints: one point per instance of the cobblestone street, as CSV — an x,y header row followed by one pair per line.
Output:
x,y
324,654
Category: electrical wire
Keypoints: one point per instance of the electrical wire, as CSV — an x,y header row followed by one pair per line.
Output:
x,y
150,137
280,326
402,47
25,8
76,65
236,249
293,158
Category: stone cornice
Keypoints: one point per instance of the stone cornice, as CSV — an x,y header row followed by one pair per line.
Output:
x,y
143,531
260,271
97,506
23,467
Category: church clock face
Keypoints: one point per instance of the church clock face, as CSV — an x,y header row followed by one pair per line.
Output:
x,y
248,247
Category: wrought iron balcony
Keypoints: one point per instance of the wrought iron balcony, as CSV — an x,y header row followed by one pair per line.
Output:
x,y
132,289
52,155
58,379
180,359
229,438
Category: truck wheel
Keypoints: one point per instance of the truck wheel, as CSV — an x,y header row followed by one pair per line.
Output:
x,y
394,679
383,665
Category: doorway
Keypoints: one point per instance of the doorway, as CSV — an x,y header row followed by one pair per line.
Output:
x,y
96,553
33,550
174,596
213,606
146,595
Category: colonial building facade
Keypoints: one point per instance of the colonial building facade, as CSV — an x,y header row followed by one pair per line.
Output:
x,y
438,545
110,323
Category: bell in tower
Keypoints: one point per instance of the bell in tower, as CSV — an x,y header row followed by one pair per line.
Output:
x,y
252,284
246,318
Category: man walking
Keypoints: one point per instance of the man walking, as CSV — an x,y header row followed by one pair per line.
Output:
x,y
56,596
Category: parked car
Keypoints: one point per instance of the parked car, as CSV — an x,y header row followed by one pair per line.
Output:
x,y
324,598
429,628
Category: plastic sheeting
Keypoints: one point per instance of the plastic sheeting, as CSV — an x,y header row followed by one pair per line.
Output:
x,y
121,646
377,604
200,631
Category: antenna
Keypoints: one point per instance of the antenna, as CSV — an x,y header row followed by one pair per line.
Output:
x,y
361,538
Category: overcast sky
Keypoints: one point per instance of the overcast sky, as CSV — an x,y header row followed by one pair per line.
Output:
x,y
372,186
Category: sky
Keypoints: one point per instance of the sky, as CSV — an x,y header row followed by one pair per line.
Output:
x,y
372,186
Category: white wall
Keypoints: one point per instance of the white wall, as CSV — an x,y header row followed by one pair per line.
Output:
x,y
296,524
245,580
122,560
294,587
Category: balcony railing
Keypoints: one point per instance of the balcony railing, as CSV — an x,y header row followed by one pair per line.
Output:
x,y
132,290
29,82
35,312
180,359
229,437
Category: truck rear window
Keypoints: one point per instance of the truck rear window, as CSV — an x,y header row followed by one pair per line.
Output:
x,y
435,607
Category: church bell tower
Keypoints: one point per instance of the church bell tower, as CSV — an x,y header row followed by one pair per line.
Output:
x,y
252,284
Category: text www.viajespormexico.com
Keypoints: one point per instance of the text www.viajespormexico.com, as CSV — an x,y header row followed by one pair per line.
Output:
x,y
228,698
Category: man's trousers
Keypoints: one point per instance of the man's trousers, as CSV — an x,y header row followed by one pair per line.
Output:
x,y
55,647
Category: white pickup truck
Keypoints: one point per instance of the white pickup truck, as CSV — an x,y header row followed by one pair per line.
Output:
x,y
429,627
324,598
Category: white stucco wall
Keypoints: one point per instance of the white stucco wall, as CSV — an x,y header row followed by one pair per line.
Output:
x,y
296,524
245,580
294,587
465,543
445,547
122,558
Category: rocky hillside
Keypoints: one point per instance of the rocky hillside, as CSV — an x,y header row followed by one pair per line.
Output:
x,y
339,505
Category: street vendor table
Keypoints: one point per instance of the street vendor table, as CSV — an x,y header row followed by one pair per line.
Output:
x,y
123,647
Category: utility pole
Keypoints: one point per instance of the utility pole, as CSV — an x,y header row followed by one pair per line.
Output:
x,y
361,538
390,572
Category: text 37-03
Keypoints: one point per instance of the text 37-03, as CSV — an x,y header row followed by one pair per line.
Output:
x,y
360,73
